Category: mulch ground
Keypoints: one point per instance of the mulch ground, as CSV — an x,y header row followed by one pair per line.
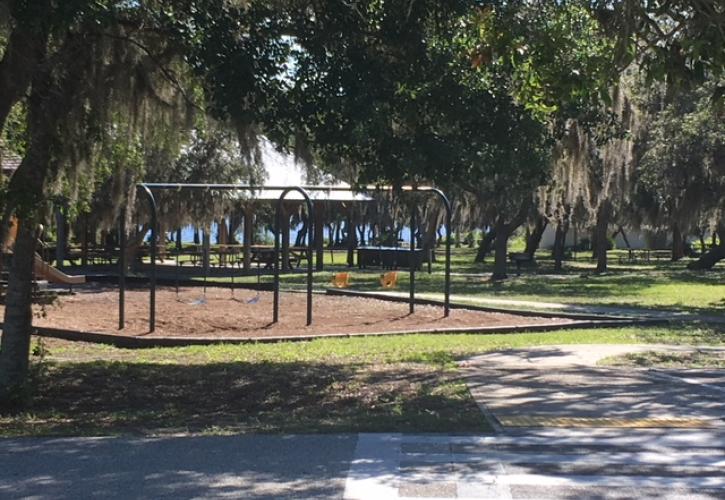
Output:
x,y
248,313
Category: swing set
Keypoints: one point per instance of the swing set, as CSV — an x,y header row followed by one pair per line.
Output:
x,y
148,189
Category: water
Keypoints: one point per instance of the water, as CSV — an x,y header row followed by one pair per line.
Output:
x,y
187,234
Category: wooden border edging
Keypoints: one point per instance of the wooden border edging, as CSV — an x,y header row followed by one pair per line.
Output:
x,y
162,341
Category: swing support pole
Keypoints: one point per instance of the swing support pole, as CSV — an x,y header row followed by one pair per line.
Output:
x,y
310,238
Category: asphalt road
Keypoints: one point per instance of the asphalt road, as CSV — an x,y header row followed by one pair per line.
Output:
x,y
253,467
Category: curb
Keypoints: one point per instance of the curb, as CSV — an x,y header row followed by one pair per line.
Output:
x,y
162,341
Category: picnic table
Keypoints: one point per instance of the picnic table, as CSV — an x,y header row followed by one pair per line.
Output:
x,y
392,257
264,254
226,254
644,255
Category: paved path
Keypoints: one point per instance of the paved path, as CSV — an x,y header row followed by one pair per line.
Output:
x,y
556,464
562,386
542,396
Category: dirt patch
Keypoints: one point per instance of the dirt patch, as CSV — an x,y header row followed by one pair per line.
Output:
x,y
218,314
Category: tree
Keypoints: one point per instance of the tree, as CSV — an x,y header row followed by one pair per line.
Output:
x,y
682,170
83,64
675,42
455,95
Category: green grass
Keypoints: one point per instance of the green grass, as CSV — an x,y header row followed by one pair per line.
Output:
x,y
655,359
440,349
368,384
659,285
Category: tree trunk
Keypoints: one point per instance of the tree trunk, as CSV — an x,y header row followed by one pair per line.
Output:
x,y
361,233
430,234
503,232
534,239
338,233
486,245
206,249
61,240
678,247
17,328
302,233
562,228
133,243
235,222
248,213
319,230
709,259
712,256
49,102
601,242
285,228
351,236
624,237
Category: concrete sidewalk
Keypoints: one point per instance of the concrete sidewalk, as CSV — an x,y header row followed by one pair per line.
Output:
x,y
557,386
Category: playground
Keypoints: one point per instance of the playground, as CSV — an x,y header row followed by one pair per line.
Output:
x,y
216,313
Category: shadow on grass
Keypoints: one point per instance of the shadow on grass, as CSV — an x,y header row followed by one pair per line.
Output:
x,y
101,398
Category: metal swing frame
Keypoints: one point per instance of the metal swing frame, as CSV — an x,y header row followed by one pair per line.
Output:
x,y
148,188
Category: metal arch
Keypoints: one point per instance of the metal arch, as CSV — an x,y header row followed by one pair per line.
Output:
x,y
449,216
154,224
310,237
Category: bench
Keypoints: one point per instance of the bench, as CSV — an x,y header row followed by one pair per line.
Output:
x,y
521,258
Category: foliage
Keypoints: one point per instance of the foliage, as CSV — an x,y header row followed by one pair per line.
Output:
x,y
13,139
678,42
556,55
681,176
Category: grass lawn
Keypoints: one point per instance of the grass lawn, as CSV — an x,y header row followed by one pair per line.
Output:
x,y
391,384
655,359
658,285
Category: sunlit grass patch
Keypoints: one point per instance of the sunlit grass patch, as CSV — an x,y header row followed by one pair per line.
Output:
x,y
660,359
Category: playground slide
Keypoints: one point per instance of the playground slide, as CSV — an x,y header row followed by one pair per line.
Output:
x,y
48,272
